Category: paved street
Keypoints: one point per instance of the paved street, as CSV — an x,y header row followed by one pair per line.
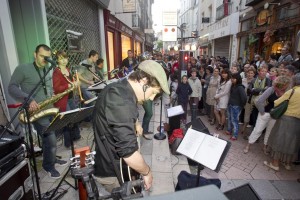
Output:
x,y
237,169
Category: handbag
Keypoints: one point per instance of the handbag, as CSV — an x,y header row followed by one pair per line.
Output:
x,y
280,109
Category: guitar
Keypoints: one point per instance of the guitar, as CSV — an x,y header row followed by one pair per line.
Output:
x,y
83,159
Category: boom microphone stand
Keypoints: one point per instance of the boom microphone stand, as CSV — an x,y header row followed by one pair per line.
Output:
x,y
160,135
24,107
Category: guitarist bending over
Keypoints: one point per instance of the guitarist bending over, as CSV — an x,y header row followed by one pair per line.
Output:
x,y
115,117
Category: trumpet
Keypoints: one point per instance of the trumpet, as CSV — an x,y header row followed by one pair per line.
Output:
x,y
79,89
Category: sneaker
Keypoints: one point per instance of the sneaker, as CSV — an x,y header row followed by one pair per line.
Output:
x,y
248,126
53,173
61,162
270,165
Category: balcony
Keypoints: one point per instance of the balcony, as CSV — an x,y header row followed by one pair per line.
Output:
x,y
252,2
221,11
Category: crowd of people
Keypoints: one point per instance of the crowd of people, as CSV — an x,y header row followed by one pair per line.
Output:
x,y
242,94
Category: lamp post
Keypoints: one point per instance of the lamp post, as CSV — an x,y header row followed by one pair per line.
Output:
x,y
182,27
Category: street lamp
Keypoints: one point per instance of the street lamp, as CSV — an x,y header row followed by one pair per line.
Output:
x,y
182,27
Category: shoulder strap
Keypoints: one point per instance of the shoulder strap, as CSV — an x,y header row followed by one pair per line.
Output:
x,y
291,94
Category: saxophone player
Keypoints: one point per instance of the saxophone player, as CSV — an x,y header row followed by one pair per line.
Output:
x,y
62,80
24,78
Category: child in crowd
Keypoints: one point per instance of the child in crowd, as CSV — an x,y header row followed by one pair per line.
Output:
x,y
183,91
237,101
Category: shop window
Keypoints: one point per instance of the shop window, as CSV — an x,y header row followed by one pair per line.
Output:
x,y
126,45
288,11
111,57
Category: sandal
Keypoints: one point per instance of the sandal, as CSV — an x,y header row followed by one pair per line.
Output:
x,y
270,165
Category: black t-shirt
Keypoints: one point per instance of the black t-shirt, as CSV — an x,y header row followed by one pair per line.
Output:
x,y
114,116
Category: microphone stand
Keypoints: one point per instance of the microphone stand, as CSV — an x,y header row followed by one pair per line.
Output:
x,y
24,107
160,135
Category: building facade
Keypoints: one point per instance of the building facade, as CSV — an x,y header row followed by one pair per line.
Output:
x,y
267,27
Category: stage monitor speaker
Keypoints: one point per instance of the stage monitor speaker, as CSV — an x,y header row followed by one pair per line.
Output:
x,y
245,192
198,125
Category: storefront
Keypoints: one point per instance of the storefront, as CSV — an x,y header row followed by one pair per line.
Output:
x,y
120,38
220,38
266,31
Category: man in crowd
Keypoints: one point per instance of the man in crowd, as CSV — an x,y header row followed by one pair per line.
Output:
x,y
23,80
86,77
115,121
285,56
128,63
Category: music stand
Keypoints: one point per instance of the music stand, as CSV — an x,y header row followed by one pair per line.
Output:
x,y
68,118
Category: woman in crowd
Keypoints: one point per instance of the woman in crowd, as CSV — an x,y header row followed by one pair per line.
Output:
x,y
248,107
257,87
205,84
222,97
237,100
264,119
211,92
196,86
63,80
284,140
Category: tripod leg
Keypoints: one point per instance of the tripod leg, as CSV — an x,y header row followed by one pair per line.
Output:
x,y
59,184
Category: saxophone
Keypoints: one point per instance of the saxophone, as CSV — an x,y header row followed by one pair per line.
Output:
x,y
42,112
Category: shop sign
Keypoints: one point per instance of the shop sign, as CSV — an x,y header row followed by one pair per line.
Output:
x,y
262,17
112,21
125,29
169,18
169,33
223,27
203,40
74,41
129,6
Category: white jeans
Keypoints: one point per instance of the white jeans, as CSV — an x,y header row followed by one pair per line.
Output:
x,y
262,122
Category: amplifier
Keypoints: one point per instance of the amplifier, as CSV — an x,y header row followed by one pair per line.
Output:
x,y
17,183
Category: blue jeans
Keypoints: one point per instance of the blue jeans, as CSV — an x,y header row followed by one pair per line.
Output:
x,y
49,142
147,105
233,113
71,132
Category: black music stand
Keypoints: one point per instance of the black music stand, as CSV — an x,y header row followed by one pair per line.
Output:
x,y
68,118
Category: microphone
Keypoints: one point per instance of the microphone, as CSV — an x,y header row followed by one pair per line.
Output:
x,y
49,60
86,65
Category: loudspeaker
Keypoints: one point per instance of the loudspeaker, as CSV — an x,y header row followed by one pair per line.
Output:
x,y
245,192
198,125
17,183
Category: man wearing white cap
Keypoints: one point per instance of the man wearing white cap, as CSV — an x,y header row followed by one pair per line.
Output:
x,y
115,118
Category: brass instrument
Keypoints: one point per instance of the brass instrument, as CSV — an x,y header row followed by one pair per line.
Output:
x,y
42,111
79,89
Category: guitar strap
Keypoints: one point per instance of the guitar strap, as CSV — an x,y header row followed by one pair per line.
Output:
x,y
102,137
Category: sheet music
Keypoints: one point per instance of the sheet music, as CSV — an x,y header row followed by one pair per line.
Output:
x,y
210,151
174,111
203,148
75,110
187,146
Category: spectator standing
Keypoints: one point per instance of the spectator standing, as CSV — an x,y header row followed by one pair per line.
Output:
x,y
285,56
222,97
264,119
211,92
183,91
284,140
196,86
237,101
